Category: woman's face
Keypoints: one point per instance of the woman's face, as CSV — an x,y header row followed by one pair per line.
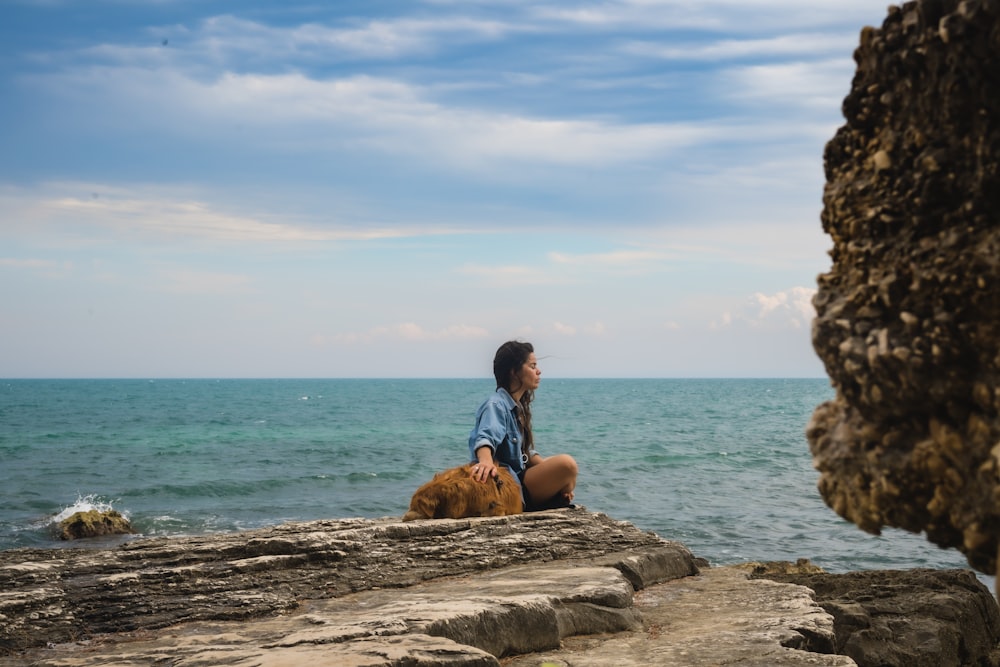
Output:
x,y
530,375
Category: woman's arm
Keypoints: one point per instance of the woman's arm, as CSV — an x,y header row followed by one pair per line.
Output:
x,y
485,469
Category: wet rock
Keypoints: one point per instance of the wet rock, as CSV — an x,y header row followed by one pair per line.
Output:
x,y
768,569
908,317
93,523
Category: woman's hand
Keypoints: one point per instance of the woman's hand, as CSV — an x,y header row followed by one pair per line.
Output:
x,y
483,470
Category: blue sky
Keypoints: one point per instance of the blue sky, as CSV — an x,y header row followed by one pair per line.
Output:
x,y
392,189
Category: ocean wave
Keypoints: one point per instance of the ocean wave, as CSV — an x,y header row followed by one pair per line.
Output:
x,y
85,503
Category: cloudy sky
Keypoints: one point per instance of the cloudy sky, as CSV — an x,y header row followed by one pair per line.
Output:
x,y
388,188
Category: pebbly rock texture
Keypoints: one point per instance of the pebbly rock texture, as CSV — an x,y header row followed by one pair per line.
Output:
x,y
908,618
94,524
908,317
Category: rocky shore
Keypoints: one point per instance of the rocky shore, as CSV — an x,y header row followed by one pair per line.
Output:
x,y
563,587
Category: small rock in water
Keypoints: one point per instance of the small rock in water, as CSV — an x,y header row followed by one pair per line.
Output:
x,y
93,523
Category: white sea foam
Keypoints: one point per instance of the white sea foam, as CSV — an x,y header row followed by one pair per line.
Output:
x,y
84,504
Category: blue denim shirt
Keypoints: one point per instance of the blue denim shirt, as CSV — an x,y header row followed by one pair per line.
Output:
x,y
497,428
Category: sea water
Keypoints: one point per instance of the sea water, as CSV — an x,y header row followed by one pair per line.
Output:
x,y
722,466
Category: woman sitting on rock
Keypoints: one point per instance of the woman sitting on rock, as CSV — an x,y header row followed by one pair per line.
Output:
x,y
502,434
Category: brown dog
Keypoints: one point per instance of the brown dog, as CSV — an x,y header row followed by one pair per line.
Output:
x,y
453,494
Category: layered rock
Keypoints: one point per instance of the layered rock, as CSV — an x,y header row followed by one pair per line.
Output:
x,y
720,617
567,587
916,618
908,317
55,596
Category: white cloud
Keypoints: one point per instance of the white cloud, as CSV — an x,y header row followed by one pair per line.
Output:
x,y
792,307
45,265
817,85
164,213
404,331
566,268
724,322
595,329
399,37
787,309
38,268
231,39
613,258
196,93
510,275
806,45
173,218
721,15
387,111
667,183
564,329
298,113
231,42
797,242
383,38
193,282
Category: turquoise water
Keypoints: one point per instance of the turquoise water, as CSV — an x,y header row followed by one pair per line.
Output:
x,y
720,465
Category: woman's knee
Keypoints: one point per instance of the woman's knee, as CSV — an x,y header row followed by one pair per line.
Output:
x,y
567,464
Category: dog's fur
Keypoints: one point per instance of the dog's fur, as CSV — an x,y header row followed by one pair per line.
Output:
x,y
453,494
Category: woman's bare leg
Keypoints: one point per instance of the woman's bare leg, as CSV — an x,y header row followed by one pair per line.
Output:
x,y
554,476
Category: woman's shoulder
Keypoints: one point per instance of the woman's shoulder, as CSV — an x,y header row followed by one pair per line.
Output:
x,y
499,398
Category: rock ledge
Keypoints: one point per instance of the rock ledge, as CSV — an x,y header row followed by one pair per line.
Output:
x,y
568,587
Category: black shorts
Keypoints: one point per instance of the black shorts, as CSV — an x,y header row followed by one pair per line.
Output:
x,y
552,503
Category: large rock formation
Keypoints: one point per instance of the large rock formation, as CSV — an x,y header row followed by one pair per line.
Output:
x,y
54,596
567,587
908,317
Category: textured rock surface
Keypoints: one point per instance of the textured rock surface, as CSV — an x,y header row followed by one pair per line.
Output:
x,y
720,617
93,523
64,595
566,586
908,317
910,618
717,617
469,620
916,618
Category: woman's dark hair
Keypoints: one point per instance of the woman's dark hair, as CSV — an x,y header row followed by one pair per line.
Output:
x,y
507,363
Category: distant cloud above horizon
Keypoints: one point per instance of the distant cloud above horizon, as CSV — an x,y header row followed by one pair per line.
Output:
x,y
260,188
